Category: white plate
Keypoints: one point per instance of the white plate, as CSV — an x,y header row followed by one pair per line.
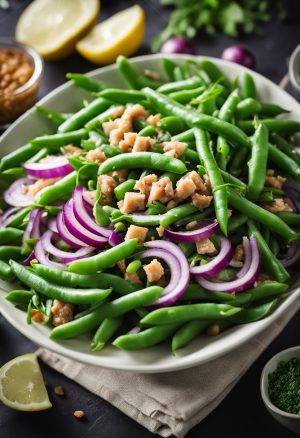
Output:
x,y
157,359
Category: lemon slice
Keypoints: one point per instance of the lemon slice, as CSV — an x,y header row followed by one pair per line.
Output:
x,y
121,34
22,386
53,27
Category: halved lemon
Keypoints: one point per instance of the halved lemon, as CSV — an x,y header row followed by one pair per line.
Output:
x,y
121,34
53,27
22,386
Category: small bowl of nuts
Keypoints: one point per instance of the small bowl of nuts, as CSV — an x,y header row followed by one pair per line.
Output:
x,y
21,68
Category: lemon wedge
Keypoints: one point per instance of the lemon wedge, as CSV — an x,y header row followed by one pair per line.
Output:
x,y
121,34
22,386
53,27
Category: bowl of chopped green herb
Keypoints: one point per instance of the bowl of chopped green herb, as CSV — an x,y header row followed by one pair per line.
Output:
x,y
280,388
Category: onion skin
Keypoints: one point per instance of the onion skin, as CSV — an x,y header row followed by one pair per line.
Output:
x,y
239,55
178,45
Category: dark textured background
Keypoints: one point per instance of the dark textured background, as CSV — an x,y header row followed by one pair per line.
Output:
x,y
242,413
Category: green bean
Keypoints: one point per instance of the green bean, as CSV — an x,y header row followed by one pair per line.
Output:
x,y
6,272
55,141
264,291
252,314
172,124
262,216
150,160
85,82
238,161
59,189
148,131
15,171
270,263
105,259
54,116
220,193
110,151
106,330
178,74
185,96
289,218
70,279
195,292
18,156
68,295
285,147
78,120
195,217
126,186
248,88
145,338
185,84
42,153
186,333
189,312
274,245
10,252
177,213
118,307
185,137
122,96
235,222
19,297
257,167
132,76
214,72
247,108
168,67
280,126
230,179
271,110
8,234
17,219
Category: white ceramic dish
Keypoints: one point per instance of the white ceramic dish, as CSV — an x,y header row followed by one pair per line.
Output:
x,y
157,359
291,421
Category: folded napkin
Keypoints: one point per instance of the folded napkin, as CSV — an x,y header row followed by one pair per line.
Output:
x,y
170,403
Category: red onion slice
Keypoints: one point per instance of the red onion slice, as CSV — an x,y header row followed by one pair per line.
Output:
x,y
5,218
65,256
65,234
27,261
52,225
206,229
32,230
55,167
84,218
179,270
218,263
78,230
15,195
43,258
239,284
293,256
115,239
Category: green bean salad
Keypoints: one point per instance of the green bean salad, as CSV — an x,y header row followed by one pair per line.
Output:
x,y
157,212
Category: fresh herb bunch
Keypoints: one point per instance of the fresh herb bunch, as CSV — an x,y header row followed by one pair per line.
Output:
x,y
228,16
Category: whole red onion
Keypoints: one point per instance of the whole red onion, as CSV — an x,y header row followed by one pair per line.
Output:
x,y
178,45
239,55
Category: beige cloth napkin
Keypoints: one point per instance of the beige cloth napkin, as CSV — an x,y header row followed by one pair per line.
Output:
x,y
170,403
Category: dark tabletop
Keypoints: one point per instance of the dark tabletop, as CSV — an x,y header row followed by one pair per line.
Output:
x,y
242,413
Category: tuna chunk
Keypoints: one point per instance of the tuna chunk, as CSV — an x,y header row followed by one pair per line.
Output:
x,y
276,206
135,232
143,144
144,184
132,277
95,155
205,246
71,150
61,312
125,123
126,145
201,201
107,184
132,202
162,191
173,148
154,271
153,119
274,181
40,184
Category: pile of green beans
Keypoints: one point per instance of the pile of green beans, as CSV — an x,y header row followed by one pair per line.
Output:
x,y
228,134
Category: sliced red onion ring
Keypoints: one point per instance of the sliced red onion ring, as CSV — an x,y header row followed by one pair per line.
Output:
x,y
179,269
247,259
5,218
65,234
241,283
78,230
65,256
31,257
84,218
57,167
32,230
218,263
15,195
52,225
205,229
43,258
293,256
115,239
293,195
